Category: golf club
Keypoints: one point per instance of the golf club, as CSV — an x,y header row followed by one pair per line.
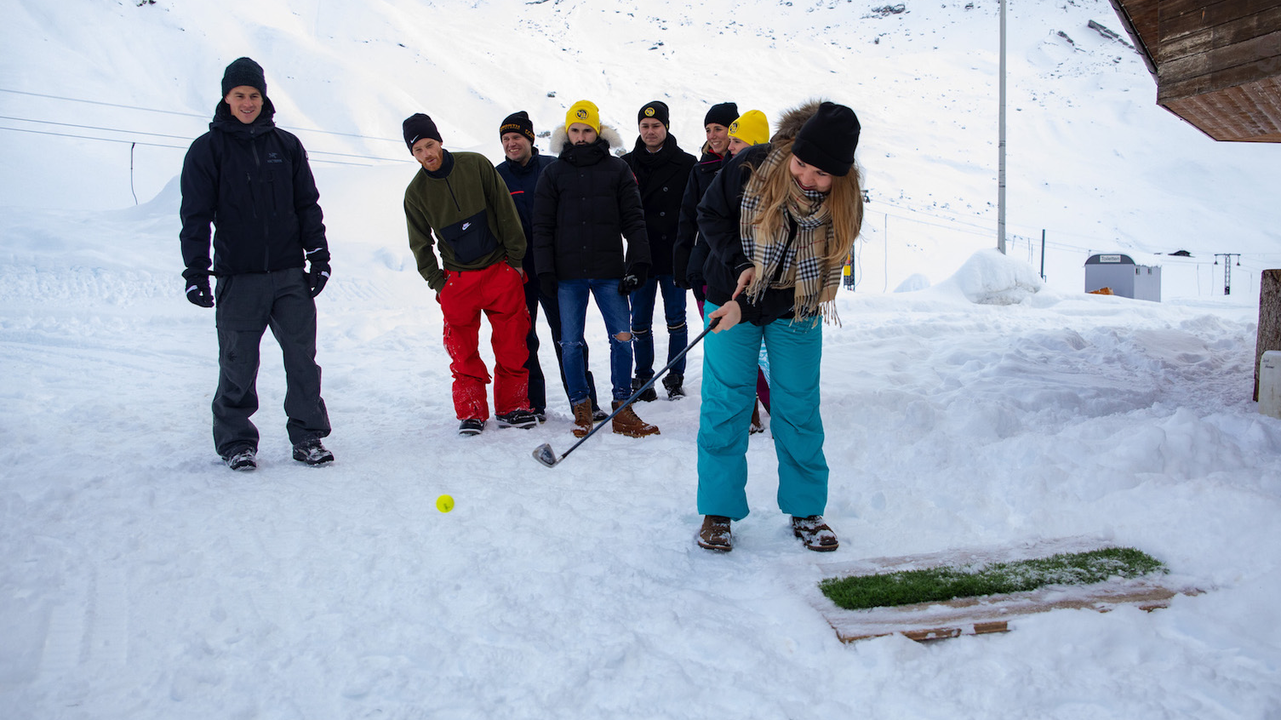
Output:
x,y
544,453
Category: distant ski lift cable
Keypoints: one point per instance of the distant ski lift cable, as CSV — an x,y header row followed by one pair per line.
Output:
x,y
187,114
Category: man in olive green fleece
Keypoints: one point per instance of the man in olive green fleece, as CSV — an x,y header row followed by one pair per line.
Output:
x,y
461,198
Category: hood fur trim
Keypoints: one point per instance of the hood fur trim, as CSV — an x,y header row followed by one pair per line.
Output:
x,y
790,123
560,138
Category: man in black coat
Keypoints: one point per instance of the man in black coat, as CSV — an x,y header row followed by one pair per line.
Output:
x,y
251,180
585,204
521,169
662,171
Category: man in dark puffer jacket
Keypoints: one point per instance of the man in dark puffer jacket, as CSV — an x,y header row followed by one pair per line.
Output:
x,y
252,181
520,169
662,170
585,203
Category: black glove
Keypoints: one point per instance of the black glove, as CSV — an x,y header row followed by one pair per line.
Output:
x,y
547,284
697,289
317,278
634,279
198,293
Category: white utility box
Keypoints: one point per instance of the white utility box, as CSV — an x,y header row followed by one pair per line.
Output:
x,y
1270,384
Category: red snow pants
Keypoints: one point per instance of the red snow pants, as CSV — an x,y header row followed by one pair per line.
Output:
x,y
499,292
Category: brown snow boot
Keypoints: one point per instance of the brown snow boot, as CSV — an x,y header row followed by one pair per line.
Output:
x,y
815,533
715,534
583,418
627,423
757,426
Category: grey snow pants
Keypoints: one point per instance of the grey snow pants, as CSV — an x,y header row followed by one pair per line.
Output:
x,y
245,306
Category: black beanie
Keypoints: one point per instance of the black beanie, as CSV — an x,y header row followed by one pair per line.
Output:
x,y
656,109
722,114
243,71
518,122
417,127
827,140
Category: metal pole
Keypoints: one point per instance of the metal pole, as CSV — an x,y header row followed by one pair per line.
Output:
x,y
1043,253
1000,197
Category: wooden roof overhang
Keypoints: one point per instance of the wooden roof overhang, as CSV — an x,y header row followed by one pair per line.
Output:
x,y
1217,63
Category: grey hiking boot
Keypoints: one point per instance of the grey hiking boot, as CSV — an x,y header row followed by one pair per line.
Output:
x,y
518,419
245,460
312,453
715,534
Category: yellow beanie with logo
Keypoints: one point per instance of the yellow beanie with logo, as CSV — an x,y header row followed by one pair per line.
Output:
x,y
583,111
752,127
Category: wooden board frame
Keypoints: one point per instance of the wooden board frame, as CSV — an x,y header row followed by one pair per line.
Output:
x,y
989,614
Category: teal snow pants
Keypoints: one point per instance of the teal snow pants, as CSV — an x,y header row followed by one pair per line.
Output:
x,y
729,391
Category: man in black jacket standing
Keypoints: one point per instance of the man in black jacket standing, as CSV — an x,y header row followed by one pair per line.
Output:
x,y
520,169
585,204
662,171
252,181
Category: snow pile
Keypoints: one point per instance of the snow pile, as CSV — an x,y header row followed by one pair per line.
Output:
x,y
990,278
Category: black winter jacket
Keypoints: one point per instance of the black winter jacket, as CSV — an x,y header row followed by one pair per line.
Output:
x,y
585,204
253,183
662,177
522,181
691,250
718,222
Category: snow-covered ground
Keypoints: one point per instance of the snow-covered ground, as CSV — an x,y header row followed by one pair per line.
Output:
x,y
142,579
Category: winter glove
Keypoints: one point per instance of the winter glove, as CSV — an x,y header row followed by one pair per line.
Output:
x,y
696,287
547,284
634,279
317,278
198,293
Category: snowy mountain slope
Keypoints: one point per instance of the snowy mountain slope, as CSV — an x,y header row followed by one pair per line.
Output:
x,y
1092,159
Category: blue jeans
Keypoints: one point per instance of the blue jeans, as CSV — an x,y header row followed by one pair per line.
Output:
x,y
729,390
572,295
643,320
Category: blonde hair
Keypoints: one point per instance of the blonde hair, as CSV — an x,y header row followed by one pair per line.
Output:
x,y
844,204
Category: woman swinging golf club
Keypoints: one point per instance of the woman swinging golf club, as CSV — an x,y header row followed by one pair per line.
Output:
x,y
779,219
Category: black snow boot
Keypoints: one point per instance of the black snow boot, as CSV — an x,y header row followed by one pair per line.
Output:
x,y
674,383
312,453
649,395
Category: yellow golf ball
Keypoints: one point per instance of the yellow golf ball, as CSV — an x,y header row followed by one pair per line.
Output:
x,y
444,503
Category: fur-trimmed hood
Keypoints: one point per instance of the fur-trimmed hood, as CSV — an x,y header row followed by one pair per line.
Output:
x,y
560,138
791,121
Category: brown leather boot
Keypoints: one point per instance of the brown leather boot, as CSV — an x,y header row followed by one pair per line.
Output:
x,y
757,426
583,418
715,534
626,423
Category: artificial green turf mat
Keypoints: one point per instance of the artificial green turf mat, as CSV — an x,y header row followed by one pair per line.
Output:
x,y
947,583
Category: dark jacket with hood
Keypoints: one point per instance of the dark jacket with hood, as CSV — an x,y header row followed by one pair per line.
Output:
x,y
586,203
691,250
522,181
719,213
662,177
253,183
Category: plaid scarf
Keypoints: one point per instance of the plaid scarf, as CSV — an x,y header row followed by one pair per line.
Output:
x,y
796,263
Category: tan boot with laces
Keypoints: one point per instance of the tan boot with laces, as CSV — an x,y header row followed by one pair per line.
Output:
x,y
627,423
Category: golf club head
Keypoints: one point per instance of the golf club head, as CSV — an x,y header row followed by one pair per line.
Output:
x,y
545,455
